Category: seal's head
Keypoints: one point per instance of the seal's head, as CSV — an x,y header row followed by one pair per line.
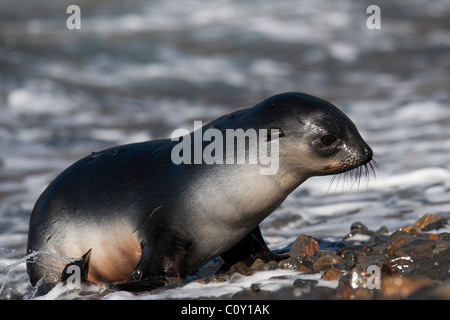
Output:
x,y
316,137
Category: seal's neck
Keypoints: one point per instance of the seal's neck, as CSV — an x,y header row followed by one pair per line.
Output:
x,y
289,180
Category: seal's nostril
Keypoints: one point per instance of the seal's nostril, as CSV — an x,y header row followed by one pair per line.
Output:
x,y
369,153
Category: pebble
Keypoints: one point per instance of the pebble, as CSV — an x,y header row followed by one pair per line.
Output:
x,y
290,263
430,222
409,245
332,274
402,287
410,263
359,231
304,245
327,261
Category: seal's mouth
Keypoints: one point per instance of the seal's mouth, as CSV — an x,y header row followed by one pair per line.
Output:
x,y
353,173
353,168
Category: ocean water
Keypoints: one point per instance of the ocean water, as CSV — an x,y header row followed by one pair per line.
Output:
x,y
139,70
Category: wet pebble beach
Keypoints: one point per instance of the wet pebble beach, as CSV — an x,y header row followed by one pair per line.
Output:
x,y
412,262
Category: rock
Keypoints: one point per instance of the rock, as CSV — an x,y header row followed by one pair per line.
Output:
x,y
359,231
357,279
290,263
241,268
410,246
257,263
306,289
437,267
305,285
382,231
410,263
214,279
308,261
271,265
327,261
332,274
430,222
344,291
358,226
435,292
362,294
350,255
402,287
444,236
304,245
409,242
255,287
364,262
399,265
434,236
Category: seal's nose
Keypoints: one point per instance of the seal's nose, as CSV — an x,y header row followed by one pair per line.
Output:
x,y
368,153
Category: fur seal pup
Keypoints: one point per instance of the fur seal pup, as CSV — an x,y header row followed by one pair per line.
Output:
x,y
144,219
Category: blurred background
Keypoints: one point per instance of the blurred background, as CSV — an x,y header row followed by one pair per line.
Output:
x,y
137,70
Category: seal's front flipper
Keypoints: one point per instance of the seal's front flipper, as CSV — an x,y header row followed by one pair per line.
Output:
x,y
249,249
77,270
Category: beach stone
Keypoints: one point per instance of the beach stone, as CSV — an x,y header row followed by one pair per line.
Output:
x,y
411,262
358,226
308,261
362,294
434,236
305,284
304,245
430,222
399,265
350,255
290,263
356,278
375,260
241,268
358,229
327,260
344,291
382,231
440,291
304,269
412,246
350,259
257,263
271,265
444,236
214,279
437,267
402,287
332,274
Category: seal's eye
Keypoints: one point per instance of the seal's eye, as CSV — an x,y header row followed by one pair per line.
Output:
x,y
328,140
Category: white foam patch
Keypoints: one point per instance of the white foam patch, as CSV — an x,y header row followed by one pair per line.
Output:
x,y
266,280
39,99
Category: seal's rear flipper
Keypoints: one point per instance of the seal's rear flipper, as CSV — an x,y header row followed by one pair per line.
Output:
x,y
79,267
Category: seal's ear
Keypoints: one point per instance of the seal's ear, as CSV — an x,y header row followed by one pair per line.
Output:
x,y
82,264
